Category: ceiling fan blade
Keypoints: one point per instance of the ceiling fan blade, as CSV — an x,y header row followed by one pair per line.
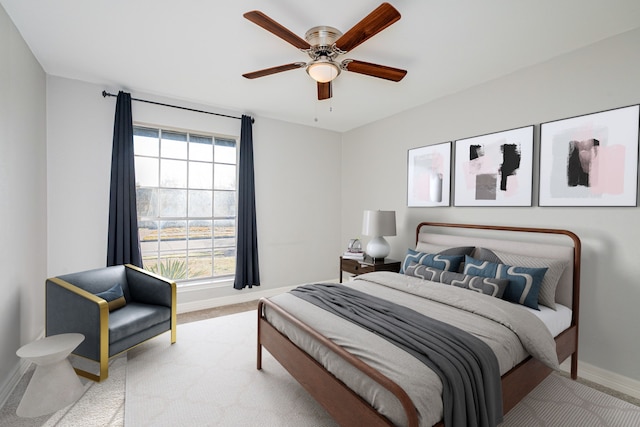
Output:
x,y
374,70
383,16
273,27
325,91
273,70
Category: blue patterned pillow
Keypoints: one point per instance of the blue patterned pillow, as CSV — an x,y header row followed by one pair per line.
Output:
x,y
484,285
524,282
551,278
439,261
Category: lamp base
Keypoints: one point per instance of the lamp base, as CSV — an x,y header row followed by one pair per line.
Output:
x,y
378,248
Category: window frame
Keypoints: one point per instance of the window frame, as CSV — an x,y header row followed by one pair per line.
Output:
x,y
160,253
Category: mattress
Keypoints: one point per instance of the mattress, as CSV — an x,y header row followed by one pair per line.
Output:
x,y
555,320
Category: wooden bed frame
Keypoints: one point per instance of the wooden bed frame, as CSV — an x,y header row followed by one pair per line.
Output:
x,y
348,409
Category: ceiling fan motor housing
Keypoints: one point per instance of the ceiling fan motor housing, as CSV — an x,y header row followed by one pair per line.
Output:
x,y
322,36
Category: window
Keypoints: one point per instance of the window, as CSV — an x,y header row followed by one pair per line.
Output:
x,y
186,200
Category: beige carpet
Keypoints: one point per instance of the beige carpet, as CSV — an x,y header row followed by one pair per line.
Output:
x,y
208,378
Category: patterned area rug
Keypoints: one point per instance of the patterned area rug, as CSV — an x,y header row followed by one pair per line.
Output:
x,y
209,378
559,401
101,405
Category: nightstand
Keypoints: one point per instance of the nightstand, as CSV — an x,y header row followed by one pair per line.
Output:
x,y
356,267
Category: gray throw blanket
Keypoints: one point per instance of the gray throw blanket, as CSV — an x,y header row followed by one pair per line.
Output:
x,y
468,369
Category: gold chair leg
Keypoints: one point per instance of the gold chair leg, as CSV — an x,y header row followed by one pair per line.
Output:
x,y
91,376
103,375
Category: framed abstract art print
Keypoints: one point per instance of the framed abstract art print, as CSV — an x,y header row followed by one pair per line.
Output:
x,y
590,160
429,175
495,169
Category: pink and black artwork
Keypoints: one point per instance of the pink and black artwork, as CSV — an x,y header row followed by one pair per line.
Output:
x,y
590,160
495,169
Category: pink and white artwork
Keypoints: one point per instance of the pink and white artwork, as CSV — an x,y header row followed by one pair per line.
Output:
x,y
429,175
590,160
495,169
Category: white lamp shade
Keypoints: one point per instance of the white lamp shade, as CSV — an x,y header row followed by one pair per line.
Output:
x,y
379,224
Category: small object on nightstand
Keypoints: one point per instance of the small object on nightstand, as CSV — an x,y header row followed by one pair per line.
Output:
x,y
368,265
354,246
354,250
354,255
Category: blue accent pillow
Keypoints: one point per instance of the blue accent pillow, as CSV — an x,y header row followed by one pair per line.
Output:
x,y
551,278
524,282
439,261
114,296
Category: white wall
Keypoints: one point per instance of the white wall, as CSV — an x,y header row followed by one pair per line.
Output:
x,y
595,78
23,233
297,171
79,132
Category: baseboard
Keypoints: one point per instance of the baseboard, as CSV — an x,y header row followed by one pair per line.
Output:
x,y
6,390
231,299
254,294
605,378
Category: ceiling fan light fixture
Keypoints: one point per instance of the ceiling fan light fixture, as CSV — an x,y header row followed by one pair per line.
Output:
x,y
323,70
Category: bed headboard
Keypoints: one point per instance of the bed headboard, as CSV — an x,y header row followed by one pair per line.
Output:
x,y
535,242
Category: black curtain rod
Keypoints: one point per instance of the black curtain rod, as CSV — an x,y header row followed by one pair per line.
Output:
x,y
105,94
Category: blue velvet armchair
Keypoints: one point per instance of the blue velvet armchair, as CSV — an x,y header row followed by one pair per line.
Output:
x,y
115,308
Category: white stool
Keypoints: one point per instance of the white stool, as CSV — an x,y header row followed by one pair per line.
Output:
x,y
54,384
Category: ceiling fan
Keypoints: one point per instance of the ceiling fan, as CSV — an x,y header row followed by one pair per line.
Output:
x,y
324,44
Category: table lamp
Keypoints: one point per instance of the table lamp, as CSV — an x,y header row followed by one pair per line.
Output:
x,y
378,224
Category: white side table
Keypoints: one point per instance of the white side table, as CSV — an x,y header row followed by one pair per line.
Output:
x,y
54,384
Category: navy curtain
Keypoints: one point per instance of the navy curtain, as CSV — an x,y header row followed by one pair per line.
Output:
x,y
247,271
123,246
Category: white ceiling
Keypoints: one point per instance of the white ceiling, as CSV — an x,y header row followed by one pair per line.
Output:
x,y
197,51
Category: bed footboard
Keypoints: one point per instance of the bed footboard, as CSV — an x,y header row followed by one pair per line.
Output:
x,y
345,406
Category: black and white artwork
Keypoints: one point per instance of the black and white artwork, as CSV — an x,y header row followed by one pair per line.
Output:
x,y
590,160
495,169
